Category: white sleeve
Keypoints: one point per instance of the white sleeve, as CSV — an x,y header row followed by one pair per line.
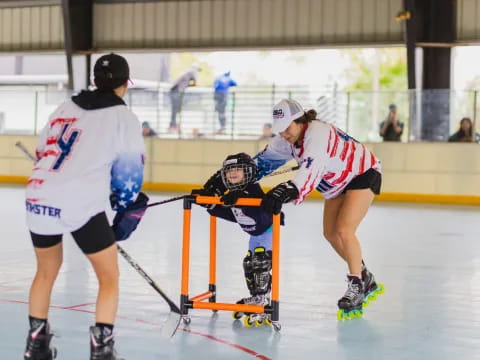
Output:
x,y
277,152
314,160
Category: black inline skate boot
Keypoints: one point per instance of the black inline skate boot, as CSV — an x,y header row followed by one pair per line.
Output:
x,y
38,343
257,267
102,345
371,288
350,304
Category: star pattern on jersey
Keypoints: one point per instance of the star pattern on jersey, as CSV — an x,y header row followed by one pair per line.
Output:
x,y
127,178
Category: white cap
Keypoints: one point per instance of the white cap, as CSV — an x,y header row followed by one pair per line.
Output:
x,y
284,113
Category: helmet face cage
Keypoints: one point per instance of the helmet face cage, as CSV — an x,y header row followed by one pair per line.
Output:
x,y
249,172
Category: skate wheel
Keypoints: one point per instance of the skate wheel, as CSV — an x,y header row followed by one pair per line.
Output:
x,y
267,321
357,314
237,315
380,288
258,323
247,322
372,296
277,326
187,320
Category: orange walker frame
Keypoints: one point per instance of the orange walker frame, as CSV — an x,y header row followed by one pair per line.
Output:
x,y
197,302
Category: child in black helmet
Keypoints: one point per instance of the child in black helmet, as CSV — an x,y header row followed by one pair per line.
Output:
x,y
238,176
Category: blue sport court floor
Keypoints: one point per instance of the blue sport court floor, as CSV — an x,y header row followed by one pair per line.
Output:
x,y
427,256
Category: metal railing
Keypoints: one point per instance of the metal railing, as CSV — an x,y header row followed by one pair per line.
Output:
x,y
429,115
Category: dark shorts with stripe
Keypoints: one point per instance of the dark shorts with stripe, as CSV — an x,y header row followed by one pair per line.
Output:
x,y
96,235
370,179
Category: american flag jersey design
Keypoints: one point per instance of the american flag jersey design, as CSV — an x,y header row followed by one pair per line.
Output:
x,y
84,156
329,159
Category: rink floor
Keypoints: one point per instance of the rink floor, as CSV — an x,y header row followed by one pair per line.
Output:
x,y
427,256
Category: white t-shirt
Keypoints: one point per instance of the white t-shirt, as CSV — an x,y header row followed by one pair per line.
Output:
x,y
329,159
83,157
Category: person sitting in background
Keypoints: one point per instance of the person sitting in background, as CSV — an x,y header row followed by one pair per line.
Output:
x,y
267,132
391,128
147,130
464,133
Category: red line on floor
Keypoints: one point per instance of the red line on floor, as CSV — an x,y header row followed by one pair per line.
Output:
x,y
239,347
208,336
77,306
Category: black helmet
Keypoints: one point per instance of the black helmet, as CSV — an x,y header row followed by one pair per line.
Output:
x,y
111,71
239,161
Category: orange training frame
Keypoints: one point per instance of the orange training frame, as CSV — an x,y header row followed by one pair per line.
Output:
x,y
196,302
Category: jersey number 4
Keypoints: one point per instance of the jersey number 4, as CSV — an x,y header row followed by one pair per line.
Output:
x,y
65,142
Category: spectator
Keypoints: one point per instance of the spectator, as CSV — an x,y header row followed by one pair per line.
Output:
x,y
464,133
391,128
267,132
221,85
188,78
147,130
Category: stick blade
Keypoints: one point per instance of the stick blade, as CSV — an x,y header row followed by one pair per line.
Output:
x,y
170,325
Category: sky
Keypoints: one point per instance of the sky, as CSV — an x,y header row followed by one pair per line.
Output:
x,y
315,68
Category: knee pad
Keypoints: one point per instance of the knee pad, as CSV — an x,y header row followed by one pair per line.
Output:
x,y
261,267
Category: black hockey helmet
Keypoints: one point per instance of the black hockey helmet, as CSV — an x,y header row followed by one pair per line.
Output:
x,y
239,161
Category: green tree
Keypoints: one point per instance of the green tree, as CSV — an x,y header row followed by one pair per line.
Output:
x,y
392,69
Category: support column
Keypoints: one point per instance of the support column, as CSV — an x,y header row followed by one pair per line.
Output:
x,y
78,33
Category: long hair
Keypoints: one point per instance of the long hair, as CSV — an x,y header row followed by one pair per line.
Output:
x,y
461,132
308,117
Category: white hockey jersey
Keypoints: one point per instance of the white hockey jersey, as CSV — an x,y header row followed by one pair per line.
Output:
x,y
84,155
329,159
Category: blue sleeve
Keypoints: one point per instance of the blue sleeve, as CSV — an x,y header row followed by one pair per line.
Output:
x,y
232,83
127,179
276,153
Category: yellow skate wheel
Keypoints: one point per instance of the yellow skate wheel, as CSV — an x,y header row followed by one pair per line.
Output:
x,y
357,314
237,315
247,322
267,321
340,315
258,323
380,288
372,296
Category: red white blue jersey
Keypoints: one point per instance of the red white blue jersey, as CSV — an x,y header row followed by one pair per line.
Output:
x,y
329,159
84,156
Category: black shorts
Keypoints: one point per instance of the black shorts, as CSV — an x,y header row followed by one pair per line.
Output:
x,y
370,179
96,235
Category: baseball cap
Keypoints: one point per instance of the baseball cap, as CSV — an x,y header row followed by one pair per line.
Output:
x,y
284,113
111,71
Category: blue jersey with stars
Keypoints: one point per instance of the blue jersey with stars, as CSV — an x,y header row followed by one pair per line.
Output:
x,y
252,219
84,155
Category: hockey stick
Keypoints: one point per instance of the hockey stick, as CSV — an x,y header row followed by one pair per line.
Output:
x,y
166,201
172,322
173,319
25,152
284,171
